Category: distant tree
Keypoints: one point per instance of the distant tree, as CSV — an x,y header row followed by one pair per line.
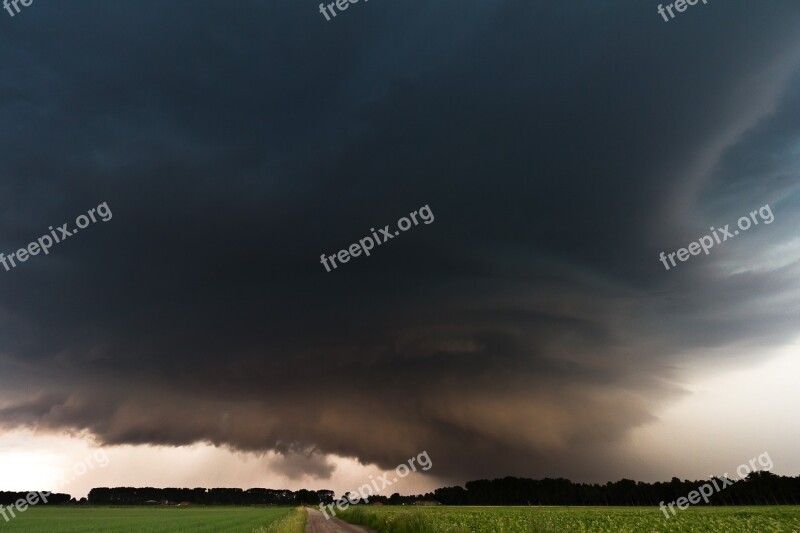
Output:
x,y
325,496
759,488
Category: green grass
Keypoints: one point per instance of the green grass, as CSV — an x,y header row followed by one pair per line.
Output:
x,y
66,519
294,522
783,519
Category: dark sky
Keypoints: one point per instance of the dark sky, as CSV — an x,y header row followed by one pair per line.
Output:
x,y
561,147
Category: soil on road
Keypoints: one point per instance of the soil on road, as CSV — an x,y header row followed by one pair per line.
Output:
x,y
317,523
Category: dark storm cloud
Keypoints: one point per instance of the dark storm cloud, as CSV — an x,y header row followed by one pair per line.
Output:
x,y
529,325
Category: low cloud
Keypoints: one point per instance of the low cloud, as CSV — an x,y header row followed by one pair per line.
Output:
x,y
527,332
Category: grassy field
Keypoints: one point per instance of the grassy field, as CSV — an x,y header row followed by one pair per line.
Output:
x,y
784,519
157,520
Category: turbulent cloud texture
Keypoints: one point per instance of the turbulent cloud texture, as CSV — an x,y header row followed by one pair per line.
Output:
x,y
560,146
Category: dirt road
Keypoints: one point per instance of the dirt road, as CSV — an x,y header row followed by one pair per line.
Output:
x,y
318,524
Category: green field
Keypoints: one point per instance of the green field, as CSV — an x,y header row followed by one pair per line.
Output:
x,y
783,519
157,520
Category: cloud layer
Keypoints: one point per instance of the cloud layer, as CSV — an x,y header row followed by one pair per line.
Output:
x,y
526,331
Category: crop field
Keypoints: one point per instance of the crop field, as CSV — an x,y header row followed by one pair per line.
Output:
x,y
783,519
157,520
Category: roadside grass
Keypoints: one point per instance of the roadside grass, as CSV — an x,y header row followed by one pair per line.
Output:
x,y
294,522
401,522
387,522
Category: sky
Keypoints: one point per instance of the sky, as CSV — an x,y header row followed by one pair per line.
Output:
x,y
528,326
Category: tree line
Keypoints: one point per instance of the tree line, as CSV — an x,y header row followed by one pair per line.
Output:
x,y
201,496
10,498
758,488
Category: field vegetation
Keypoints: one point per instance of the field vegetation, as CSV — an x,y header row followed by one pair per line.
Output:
x,y
410,519
130,519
